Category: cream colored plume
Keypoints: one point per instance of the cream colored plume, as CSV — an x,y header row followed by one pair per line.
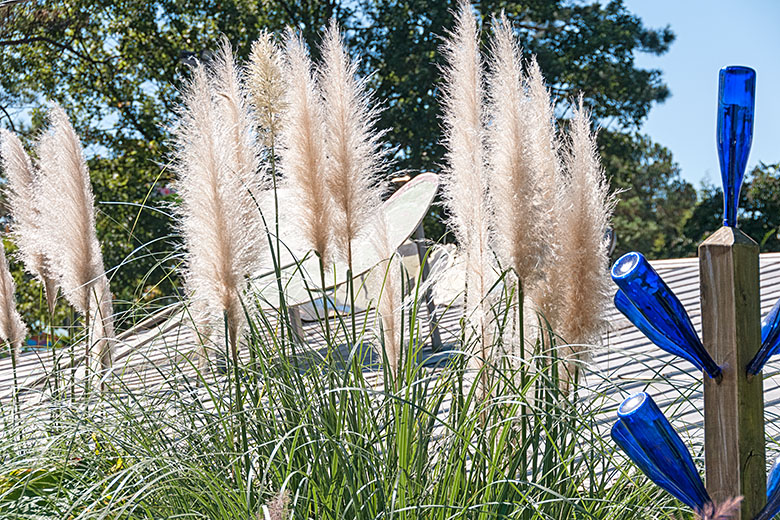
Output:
x,y
584,256
266,86
466,176
67,223
302,151
219,180
67,219
24,204
517,162
12,328
353,147
385,289
548,170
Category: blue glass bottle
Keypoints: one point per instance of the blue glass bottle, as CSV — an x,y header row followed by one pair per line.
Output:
x,y
644,433
655,304
772,506
624,305
736,108
770,340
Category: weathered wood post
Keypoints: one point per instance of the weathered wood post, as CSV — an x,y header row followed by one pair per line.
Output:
x,y
735,459
734,453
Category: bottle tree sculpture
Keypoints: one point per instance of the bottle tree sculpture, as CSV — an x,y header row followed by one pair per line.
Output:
x,y
733,348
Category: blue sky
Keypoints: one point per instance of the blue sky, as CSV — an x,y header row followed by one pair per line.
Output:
x,y
711,34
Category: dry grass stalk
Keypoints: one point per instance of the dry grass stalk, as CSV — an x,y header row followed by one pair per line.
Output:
x,y
277,509
266,87
67,218
12,328
384,287
465,178
302,151
353,146
103,322
24,205
584,256
218,170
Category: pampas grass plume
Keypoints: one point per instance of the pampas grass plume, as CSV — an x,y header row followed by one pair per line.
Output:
x,y
67,218
725,510
384,287
302,151
266,86
218,179
515,162
584,255
12,328
24,205
67,225
354,156
465,180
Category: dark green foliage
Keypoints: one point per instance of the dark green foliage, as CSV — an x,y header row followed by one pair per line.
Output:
x,y
654,201
759,215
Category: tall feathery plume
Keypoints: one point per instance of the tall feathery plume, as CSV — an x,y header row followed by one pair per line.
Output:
x,y
218,178
725,510
545,145
384,288
266,87
465,179
67,221
12,328
302,151
514,185
24,206
519,228
353,147
353,150
584,256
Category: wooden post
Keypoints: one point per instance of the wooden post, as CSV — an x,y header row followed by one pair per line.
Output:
x,y
433,321
735,456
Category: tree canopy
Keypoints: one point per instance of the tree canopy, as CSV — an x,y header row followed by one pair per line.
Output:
x,y
116,65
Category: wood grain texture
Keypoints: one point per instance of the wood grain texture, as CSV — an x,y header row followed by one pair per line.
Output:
x,y
734,449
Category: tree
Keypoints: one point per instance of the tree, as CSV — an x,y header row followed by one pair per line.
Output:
x,y
654,201
116,66
759,212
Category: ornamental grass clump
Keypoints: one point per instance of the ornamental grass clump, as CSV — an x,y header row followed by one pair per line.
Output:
x,y
520,201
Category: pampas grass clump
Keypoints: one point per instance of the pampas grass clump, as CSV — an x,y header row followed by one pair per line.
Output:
x,y
515,194
219,180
